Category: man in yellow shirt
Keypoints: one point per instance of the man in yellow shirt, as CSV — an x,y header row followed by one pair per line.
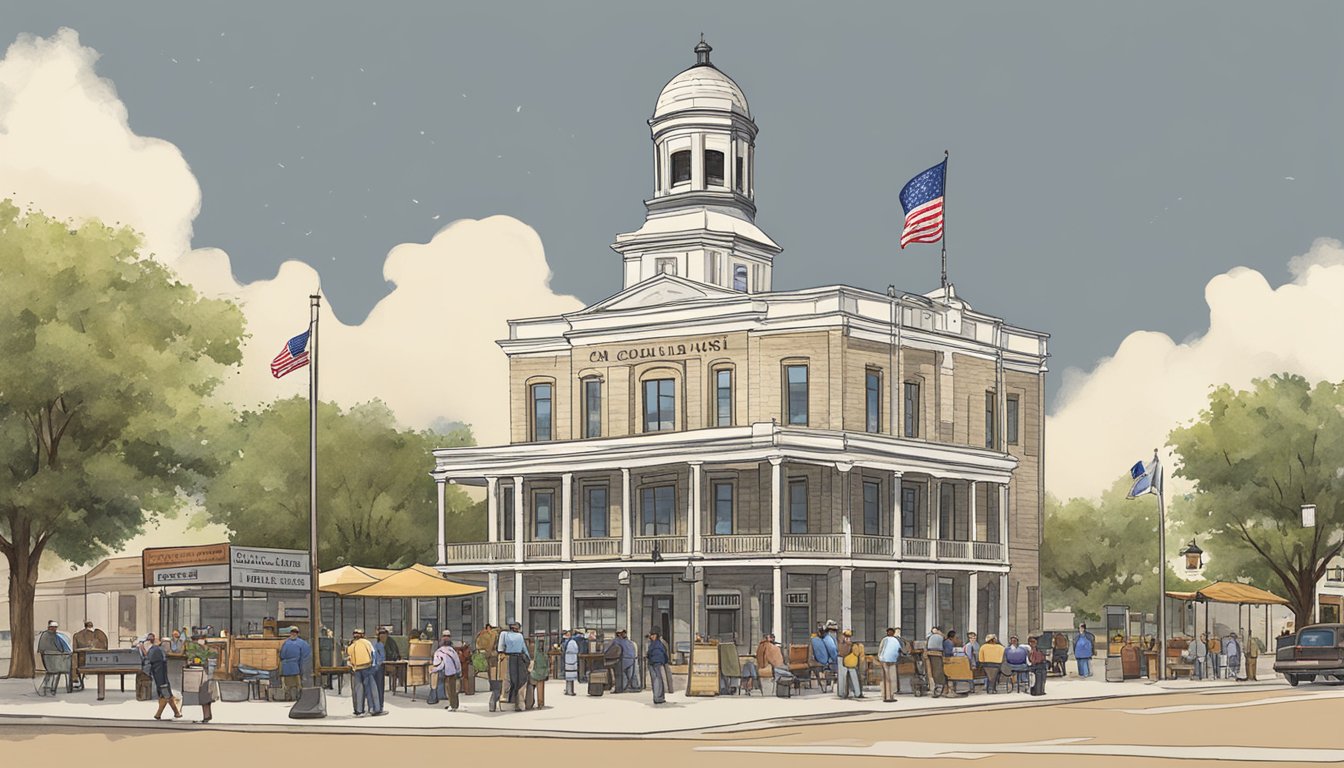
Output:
x,y
991,660
364,681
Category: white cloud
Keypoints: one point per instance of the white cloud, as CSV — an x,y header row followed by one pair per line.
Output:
x,y
1126,406
427,348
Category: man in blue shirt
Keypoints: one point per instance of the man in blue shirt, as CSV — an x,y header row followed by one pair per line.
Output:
x,y
295,657
832,647
379,656
1083,648
514,649
658,660
888,654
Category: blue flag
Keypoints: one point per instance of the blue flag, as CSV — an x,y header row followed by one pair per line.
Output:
x,y
1147,479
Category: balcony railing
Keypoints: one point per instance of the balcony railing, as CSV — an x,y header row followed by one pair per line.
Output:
x,y
917,549
739,544
596,548
954,550
667,545
987,550
541,550
871,546
814,543
479,552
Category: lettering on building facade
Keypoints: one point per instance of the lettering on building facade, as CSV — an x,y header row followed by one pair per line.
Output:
x,y
659,351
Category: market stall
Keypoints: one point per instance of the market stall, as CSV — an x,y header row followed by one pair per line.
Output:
x,y
1233,593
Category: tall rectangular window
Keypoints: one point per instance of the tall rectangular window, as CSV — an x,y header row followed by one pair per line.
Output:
x,y
795,378
660,405
681,166
870,632
1012,419
739,277
541,412
723,509
545,514
592,407
946,504
797,506
714,167
872,400
506,515
992,514
657,505
911,409
723,397
911,626
910,512
872,509
990,442
595,512
738,181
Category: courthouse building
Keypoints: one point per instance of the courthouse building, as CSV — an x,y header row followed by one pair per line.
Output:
x,y
871,457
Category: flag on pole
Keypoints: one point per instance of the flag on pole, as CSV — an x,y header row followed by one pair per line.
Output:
x,y
293,357
1147,479
922,199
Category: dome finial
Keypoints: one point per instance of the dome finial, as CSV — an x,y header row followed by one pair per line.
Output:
x,y
702,52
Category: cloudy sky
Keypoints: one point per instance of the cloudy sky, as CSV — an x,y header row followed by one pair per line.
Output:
x,y
1117,169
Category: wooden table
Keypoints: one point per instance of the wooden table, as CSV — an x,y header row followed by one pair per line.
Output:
x,y
103,672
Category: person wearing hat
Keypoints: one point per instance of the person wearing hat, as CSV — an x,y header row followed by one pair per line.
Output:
x,y
156,665
849,667
51,641
360,655
629,680
90,638
514,655
296,655
445,669
537,672
991,658
889,656
569,647
658,658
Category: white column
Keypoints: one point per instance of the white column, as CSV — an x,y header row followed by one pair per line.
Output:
x,y
1003,520
492,509
627,520
930,600
973,604
776,479
846,598
695,521
847,507
935,511
566,515
518,535
777,603
896,519
894,604
492,598
1004,608
566,601
439,483
518,607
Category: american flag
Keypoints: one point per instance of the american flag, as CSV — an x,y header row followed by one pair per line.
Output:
x,y
293,357
922,200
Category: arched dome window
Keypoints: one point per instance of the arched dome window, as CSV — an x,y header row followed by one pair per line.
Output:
x,y
681,166
714,167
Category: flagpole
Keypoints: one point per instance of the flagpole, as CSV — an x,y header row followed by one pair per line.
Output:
x,y
1161,569
946,157
314,606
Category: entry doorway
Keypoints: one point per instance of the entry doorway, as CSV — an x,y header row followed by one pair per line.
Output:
x,y
658,609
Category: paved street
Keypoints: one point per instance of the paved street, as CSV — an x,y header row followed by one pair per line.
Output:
x,y
1259,725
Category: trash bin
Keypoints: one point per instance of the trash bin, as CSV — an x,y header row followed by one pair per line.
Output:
x,y
1115,670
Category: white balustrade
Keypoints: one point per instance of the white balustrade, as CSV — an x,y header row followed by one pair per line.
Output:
x,y
872,546
814,543
607,547
740,544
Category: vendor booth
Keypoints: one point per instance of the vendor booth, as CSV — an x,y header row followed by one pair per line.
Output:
x,y
1226,593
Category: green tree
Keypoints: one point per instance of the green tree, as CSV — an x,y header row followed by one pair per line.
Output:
x,y
376,502
1100,552
105,418
1256,456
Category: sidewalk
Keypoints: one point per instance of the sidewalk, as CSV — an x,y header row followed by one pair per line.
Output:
x,y
622,715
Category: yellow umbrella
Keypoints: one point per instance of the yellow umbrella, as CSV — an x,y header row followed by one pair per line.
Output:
x,y
414,582
350,578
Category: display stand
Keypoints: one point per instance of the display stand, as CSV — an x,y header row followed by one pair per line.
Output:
x,y
703,676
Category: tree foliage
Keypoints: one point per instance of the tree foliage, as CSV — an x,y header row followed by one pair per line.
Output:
x,y
1100,552
1256,456
377,504
105,419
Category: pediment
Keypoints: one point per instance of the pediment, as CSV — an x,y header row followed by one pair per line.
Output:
x,y
659,290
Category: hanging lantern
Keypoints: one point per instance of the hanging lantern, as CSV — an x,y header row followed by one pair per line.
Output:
x,y
1194,557
1308,515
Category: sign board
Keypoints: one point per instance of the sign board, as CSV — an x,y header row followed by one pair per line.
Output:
x,y
703,679
161,558
255,568
191,574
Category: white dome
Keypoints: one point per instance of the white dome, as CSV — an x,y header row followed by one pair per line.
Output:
x,y
702,86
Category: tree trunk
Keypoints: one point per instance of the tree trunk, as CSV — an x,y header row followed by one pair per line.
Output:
x,y
22,591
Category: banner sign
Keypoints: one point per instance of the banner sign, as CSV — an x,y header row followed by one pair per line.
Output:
x,y
161,558
191,574
254,568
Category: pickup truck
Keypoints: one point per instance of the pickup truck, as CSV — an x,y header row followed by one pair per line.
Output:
x,y
1314,650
